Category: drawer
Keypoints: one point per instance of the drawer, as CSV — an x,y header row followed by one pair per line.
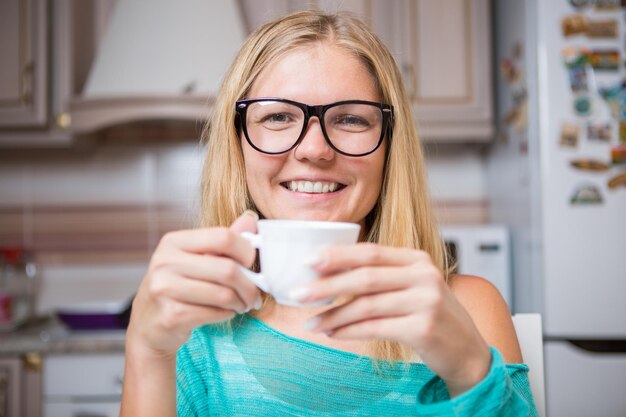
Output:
x,y
81,410
581,383
90,375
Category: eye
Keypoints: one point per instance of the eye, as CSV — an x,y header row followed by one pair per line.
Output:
x,y
277,118
350,122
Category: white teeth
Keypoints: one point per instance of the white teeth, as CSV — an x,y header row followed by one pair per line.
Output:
x,y
312,187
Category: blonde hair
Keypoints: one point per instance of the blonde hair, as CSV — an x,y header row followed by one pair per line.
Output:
x,y
402,216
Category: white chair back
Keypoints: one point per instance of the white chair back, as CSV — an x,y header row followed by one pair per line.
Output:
x,y
530,336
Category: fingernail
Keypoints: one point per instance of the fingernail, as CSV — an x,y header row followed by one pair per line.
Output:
x,y
312,323
251,213
300,293
314,259
258,303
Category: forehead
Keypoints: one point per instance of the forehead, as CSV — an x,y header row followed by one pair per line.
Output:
x,y
316,74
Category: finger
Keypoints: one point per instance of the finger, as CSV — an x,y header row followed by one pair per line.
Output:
x,y
179,317
246,222
200,293
340,258
397,329
220,270
393,304
215,241
360,281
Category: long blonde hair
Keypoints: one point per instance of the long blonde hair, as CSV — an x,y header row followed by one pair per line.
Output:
x,y
402,216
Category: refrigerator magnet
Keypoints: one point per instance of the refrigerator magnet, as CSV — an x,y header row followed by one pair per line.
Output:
x,y
589,165
618,180
602,28
569,135
583,105
618,155
573,25
613,96
622,131
604,60
599,132
578,79
586,194
579,4
607,4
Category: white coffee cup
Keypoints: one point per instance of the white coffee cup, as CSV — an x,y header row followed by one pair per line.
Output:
x,y
284,247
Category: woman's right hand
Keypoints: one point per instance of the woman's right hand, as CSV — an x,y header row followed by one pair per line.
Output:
x,y
193,279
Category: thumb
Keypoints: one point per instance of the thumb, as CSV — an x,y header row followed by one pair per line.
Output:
x,y
246,222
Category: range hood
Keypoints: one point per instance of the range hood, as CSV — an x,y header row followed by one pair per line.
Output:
x,y
160,61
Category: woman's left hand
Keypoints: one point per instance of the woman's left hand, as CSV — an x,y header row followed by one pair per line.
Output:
x,y
398,294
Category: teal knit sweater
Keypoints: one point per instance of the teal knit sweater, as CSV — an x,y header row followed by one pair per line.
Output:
x,y
254,370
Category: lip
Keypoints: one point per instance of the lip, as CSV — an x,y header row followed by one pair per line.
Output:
x,y
312,179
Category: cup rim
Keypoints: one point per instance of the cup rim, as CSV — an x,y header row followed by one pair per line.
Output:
x,y
316,224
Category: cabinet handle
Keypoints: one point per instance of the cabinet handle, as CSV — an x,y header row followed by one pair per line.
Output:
x,y
63,120
32,361
27,83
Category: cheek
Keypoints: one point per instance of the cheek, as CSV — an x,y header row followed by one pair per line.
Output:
x,y
260,169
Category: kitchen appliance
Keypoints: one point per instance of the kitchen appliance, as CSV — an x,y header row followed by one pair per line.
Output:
x,y
552,180
482,250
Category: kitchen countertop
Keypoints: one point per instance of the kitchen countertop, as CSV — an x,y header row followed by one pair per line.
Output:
x,y
49,336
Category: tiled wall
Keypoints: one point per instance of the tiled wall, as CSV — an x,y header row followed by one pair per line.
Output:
x,y
94,215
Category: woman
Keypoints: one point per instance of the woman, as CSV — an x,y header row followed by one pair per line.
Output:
x,y
312,122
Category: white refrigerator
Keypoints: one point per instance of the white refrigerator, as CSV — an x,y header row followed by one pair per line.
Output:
x,y
556,177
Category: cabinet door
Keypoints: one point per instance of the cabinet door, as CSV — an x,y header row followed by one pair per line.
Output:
x,y
23,77
447,67
442,48
10,386
86,375
258,12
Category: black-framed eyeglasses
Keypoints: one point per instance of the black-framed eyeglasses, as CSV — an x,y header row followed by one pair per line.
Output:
x,y
352,127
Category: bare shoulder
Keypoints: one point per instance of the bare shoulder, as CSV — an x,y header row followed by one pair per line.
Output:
x,y
490,314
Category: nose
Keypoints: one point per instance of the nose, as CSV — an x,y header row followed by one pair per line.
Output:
x,y
313,146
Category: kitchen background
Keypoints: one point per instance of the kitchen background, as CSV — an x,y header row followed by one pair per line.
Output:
x,y
99,157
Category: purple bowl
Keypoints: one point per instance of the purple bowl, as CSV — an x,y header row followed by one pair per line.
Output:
x,y
92,316
94,321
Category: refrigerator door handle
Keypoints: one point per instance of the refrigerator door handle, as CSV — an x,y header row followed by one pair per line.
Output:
x,y
600,346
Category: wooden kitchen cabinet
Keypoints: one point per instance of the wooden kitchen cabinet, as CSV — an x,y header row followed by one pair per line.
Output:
x,y
23,67
20,385
47,48
442,48
447,68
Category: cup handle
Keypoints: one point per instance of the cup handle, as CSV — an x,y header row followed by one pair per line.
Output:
x,y
257,278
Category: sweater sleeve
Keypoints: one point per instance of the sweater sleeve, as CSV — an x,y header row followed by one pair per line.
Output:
x,y
504,392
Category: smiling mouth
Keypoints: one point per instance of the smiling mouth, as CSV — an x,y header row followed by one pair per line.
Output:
x,y
313,187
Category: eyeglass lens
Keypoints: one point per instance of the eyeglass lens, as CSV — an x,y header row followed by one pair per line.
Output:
x,y
275,126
